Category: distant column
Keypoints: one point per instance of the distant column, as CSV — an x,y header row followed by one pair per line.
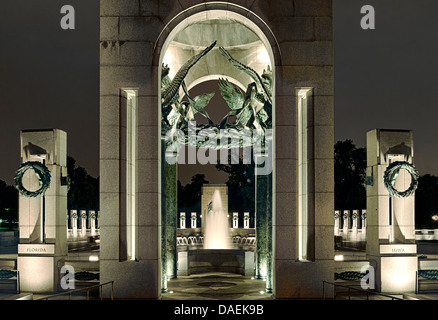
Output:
x,y
235,220
355,219
364,225
346,217
337,222
364,221
83,222
92,222
74,222
182,220
246,220
193,220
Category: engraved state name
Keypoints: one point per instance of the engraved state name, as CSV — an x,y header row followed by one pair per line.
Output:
x,y
40,250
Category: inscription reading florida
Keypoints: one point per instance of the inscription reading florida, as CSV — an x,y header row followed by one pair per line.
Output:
x,y
36,250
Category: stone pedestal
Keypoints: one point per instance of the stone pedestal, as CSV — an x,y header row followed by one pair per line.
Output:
x,y
42,220
183,263
249,263
390,226
39,267
397,267
218,260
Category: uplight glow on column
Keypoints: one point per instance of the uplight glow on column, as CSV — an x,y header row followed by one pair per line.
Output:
x,y
131,181
303,140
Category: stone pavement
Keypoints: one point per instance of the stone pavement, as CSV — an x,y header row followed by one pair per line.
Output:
x,y
216,286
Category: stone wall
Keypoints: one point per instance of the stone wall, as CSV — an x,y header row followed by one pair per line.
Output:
x,y
300,35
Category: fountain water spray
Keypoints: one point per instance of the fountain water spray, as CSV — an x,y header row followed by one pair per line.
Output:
x,y
217,232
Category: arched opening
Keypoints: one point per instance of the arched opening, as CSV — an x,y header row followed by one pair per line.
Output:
x,y
231,46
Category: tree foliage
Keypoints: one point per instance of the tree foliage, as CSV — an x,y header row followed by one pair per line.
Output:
x,y
84,189
350,172
8,204
189,196
426,202
241,186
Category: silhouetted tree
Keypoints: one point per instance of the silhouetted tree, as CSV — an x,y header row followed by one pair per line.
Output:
x,y
189,196
8,204
426,202
350,172
241,188
84,189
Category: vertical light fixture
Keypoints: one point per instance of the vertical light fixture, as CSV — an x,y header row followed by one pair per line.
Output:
x,y
131,180
304,114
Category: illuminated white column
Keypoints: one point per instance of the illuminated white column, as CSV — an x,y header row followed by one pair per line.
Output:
x,y
74,222
246,220
355,220
182,220
193,220
92,222
305,174
345,227
235,220
363,229
337,222
390,225
83,222
42,247
129,137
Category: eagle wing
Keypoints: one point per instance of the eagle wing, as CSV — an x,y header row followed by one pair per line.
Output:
x,y
231,94
172,89
248,70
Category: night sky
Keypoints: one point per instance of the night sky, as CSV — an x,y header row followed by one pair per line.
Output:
x,y
384,78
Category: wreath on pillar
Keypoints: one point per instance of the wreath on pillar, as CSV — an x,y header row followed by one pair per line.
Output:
x,y
42,173
391,174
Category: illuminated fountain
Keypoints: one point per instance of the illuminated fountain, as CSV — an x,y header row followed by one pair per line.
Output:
x,y
218,254
217,233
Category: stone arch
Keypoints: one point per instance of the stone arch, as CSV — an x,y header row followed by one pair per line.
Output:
x,y
245,17
206,11
132,37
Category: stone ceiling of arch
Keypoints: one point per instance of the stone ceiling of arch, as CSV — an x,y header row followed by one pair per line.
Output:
x,y
227,33
240,41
